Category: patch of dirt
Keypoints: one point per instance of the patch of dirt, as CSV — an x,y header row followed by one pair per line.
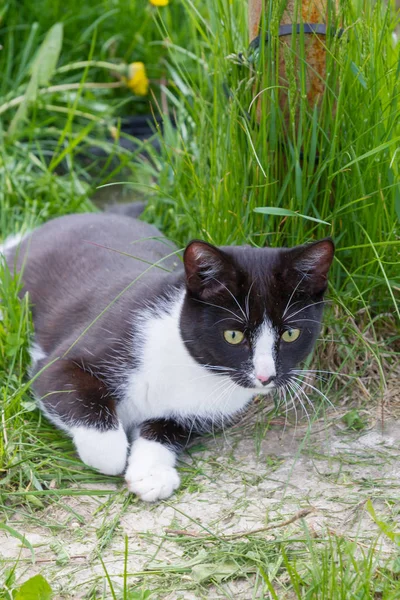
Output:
x,y
233,486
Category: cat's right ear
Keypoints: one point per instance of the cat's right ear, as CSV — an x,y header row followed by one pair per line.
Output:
x,y
312,262
209,271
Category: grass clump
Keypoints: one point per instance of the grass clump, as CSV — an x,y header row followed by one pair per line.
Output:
x,y
296,565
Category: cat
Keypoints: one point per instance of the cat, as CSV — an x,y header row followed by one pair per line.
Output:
x,y
136,351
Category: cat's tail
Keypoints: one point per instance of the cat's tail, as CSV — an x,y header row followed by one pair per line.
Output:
x,y
132,209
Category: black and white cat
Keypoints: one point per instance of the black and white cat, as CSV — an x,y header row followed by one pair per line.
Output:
x,y
140,358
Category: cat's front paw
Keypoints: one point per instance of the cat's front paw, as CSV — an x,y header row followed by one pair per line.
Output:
x,y
105,451
151,474
157,484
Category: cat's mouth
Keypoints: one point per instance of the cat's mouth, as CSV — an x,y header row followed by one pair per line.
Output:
x,y
264,389
251,383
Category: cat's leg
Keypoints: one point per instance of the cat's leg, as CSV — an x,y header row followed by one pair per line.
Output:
x,y
80,404
151,472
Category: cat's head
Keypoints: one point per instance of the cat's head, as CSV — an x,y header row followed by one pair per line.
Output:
x,y
254,313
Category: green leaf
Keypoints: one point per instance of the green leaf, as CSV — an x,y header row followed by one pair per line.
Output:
x,y
215,572
30,96
19,536
61,553
358,74
46,59
353,420
139,595
384,527
28,405
14,343
372,152
34,500
42,69
397,202
268,583
3,12
36,588
285,212
395,566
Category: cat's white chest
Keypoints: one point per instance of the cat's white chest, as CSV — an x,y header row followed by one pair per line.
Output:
x,y
170,383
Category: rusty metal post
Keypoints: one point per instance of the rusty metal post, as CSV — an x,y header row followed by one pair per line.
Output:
x,y
312,12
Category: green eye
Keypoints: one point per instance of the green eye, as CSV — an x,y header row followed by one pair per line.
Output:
x,y
233,337
291,335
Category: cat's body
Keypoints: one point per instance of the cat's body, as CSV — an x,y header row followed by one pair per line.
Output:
x,y
160,361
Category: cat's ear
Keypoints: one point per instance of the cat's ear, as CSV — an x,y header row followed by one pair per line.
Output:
x,y
209,270
312,263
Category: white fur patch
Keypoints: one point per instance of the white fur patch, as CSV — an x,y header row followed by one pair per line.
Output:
x,y
264,362
12,241
36,354
170,383
151,474
105,451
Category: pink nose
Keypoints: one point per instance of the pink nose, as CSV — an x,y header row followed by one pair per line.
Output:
x,y
265,380
262,378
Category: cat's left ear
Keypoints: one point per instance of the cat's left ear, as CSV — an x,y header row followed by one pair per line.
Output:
x,y
312,262
209,270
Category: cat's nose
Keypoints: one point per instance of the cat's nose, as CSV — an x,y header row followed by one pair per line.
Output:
x,y
265,380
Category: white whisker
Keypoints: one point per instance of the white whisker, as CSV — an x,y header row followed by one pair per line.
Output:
x,y
236,317
294,405
297,395
225,319
235,299
314,376
247,302
299,320
300,371
228,396
302,391
304,308
293,293
316,390
284,389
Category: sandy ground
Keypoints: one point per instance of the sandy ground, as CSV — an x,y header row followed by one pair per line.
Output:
x,y
232,485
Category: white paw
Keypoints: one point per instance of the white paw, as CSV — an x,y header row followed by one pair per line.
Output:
x,y
151,474
157,484
105,451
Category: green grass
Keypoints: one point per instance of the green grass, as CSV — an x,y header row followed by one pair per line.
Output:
x,y
300,568
222,176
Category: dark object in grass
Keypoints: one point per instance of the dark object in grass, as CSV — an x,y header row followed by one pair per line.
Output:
x,y
138,129
306,28
134,134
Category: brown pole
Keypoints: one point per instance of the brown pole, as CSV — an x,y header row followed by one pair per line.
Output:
x,y
312,11
255,8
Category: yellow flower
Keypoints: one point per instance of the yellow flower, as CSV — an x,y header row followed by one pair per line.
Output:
x,y
159,2
137,79
114,132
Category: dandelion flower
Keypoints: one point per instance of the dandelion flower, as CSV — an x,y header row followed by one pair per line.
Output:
x,y
159,2
137,80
